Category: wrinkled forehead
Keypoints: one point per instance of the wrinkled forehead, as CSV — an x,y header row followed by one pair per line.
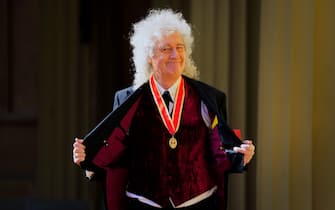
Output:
x,y
169,37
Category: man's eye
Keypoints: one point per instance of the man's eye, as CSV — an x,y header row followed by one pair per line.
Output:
x,y
166,49
180,48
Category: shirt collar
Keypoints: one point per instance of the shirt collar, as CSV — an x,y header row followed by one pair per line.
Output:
x,y
172,89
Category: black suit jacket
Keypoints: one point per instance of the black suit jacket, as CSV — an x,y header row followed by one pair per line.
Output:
x,y
124,101
214,99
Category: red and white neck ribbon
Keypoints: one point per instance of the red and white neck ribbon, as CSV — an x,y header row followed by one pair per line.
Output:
x,y
172,125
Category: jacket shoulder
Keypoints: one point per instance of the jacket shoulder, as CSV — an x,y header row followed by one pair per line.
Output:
x,y
126,91
214,99
122,95
205,87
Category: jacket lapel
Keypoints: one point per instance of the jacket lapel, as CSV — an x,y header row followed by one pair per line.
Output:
x,y
215,101
97,137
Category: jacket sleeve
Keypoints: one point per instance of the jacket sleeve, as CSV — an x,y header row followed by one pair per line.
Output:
x,y
97,173
113,150
98,136
236,159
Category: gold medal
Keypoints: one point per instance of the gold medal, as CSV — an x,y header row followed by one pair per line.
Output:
x,y
173,142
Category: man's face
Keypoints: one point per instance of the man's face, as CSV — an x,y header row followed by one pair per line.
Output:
x,y
168,60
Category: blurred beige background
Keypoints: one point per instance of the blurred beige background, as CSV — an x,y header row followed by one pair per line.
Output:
x,y
61,62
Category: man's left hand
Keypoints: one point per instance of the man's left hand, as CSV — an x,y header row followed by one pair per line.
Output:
x,y
248,149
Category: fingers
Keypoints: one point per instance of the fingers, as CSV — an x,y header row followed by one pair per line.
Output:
x,y
248,149
247,142
78,158
239,150
247,146
79,140
78,151
78,143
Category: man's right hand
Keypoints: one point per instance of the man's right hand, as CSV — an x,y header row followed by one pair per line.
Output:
x,y
78,151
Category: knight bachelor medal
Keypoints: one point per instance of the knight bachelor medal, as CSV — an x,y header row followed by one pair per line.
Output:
x,y
173,142
171,124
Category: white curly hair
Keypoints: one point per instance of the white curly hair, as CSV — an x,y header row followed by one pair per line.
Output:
x,y
145,33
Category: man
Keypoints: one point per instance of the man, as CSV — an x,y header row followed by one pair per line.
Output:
x,y
166,145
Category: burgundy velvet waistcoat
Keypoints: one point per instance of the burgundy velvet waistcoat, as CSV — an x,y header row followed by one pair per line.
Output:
x,y
158,172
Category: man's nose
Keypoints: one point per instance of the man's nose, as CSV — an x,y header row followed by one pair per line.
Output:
x,y
174,53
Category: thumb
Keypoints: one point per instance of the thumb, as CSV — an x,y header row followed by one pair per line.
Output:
x,y
79,140
238,149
